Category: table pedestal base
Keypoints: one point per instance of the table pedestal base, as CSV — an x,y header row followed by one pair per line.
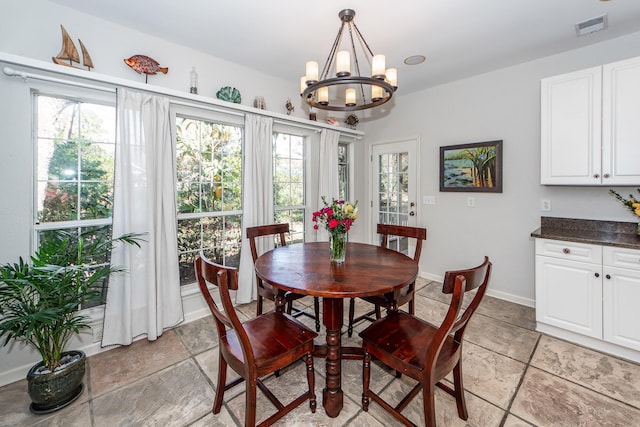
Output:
x,y
332,396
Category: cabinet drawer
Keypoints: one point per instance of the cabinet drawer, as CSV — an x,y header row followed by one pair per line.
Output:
x,y
621,257
569,250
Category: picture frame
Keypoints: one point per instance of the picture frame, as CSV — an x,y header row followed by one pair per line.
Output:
x,y
474,167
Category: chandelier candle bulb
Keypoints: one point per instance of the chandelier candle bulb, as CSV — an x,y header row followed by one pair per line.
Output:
x,y
392,77
323,95
303,84
376,93
350,97
378,67
312,72
343,64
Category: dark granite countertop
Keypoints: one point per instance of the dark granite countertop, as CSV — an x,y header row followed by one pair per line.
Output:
x,y
607,233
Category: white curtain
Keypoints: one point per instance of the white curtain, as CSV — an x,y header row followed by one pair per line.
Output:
x,y
328,185
146,299
257,196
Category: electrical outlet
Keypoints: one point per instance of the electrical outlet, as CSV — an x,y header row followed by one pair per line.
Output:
x,y
97,333
471,202
428,200
545,205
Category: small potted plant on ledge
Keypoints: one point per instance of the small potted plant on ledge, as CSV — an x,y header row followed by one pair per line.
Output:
x,y
39,305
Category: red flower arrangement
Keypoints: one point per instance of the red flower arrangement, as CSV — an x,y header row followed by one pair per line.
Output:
x,y
336,217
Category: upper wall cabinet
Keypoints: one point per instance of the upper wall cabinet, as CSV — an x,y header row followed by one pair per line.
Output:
x,y
590,126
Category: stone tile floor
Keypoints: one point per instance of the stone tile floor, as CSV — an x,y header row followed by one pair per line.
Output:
x,y
513,376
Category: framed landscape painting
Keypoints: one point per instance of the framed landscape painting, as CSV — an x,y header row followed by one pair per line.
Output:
x,y
473,167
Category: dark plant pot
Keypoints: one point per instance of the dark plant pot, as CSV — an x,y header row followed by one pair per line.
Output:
x,y
50,391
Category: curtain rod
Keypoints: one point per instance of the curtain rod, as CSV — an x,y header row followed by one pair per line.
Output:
x,y
315,129
26,76
206,107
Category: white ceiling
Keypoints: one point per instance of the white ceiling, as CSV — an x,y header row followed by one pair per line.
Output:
x,y
460,38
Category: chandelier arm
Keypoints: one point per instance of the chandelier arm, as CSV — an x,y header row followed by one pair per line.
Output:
x,y
364,97
354,52
362,38
332,54
355,59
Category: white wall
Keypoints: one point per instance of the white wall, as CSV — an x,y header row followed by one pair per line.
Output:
x,y
505,105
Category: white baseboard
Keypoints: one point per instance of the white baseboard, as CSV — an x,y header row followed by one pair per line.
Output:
x,y
527,302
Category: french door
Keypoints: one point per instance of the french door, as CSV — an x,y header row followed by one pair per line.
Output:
x,y
394,177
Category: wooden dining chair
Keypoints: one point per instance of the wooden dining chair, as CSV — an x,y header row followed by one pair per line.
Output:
x,y
422,351
407,293
256,348
267,291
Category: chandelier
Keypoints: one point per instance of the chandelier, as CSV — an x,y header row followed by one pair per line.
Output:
x,y
348,91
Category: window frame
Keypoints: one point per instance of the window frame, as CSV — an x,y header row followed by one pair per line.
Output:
x,y
207,115
306,136
70,93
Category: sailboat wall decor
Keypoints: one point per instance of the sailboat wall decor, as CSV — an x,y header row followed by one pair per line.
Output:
x,y
70,53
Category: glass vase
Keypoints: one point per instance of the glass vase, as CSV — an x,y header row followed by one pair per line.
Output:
x,y
337,247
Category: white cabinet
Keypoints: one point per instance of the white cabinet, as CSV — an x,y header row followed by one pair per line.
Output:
x,y
590,132
569,287
621,296
589,294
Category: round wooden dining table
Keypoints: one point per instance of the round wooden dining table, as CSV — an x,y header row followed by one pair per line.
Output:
x,y
305,268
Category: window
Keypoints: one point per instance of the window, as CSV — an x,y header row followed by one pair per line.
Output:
x,y
289,183
74,166
209,193
343,171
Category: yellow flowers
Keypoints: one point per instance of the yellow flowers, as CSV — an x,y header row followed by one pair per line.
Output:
x,y
632,203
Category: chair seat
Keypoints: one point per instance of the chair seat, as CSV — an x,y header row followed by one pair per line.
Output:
x,y
288,336
404,338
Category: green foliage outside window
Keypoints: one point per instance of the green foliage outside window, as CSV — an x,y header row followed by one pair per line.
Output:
x,y
209,193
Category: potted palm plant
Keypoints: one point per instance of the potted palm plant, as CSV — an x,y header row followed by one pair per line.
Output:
x,y
40,302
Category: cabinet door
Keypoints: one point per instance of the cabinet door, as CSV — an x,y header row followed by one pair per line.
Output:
x,y
621,315
571,106
569,295
621,123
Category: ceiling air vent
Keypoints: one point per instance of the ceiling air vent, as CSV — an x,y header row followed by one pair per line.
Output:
x,y
591,25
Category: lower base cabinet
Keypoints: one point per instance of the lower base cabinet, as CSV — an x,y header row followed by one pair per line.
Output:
x,y
589,294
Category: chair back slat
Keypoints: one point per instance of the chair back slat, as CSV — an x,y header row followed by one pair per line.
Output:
x,y
225,278
417,233
266,230
474,278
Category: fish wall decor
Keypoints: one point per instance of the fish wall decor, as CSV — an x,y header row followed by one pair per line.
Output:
x,y
144,64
